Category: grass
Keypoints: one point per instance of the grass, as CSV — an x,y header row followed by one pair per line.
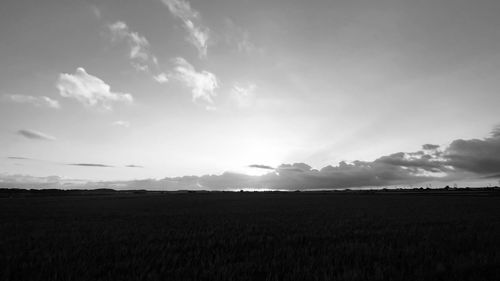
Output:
x,y
251,236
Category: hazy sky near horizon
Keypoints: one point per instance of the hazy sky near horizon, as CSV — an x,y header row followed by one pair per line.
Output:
x,y
121,90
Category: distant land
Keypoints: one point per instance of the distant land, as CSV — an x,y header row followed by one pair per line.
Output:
x,y
20,192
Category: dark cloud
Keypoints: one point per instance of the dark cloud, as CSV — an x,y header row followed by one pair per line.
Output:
x,y
34,135
258,166
18,158
90,165
495,132
430,146
475,155
134,166
413,161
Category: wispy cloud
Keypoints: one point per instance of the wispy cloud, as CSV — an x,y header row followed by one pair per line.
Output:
x,y
121,123
139,46
90,165
41,101
198,34
258,166
239,38
243,95
18,158
134,166
89,90
35,135
202,84
96,11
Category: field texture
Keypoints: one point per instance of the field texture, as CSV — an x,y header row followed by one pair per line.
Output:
x,y
251,236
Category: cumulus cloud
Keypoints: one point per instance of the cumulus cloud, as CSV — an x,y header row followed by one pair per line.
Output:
x,y
480,156
243,95
417,162
198,35
41,101
202,84
89,90
161,78
35,135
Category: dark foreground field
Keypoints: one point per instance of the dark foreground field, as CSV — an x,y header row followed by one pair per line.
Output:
x,y
251,236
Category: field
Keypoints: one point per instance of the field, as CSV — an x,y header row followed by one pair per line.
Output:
x,y
251,236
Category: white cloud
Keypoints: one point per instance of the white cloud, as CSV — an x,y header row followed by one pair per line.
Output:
x,y
121,123
198,34
243,96
41,101
35,135
202,84
89,90
139,46
161,78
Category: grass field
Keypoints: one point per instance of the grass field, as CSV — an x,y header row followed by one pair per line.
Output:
x,y
251,236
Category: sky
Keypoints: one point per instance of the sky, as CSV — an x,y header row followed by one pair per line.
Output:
x,y
177,94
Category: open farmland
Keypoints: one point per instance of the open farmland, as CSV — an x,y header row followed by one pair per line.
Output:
x,y
251,236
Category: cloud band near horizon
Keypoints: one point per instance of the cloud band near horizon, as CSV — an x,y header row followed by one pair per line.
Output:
x,y
461,160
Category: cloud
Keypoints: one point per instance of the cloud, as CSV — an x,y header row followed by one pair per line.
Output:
x,y
89,90
198,34
41,101
134,166
202,84
495,132
18,158
161,78
96,11
477,159
243,96
430,146
419,162
479,156
121,123
28,182
239,38
295,167
139,46
90,165
35,135
258,166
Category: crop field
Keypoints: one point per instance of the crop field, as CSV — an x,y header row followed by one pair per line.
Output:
x,y
251,236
